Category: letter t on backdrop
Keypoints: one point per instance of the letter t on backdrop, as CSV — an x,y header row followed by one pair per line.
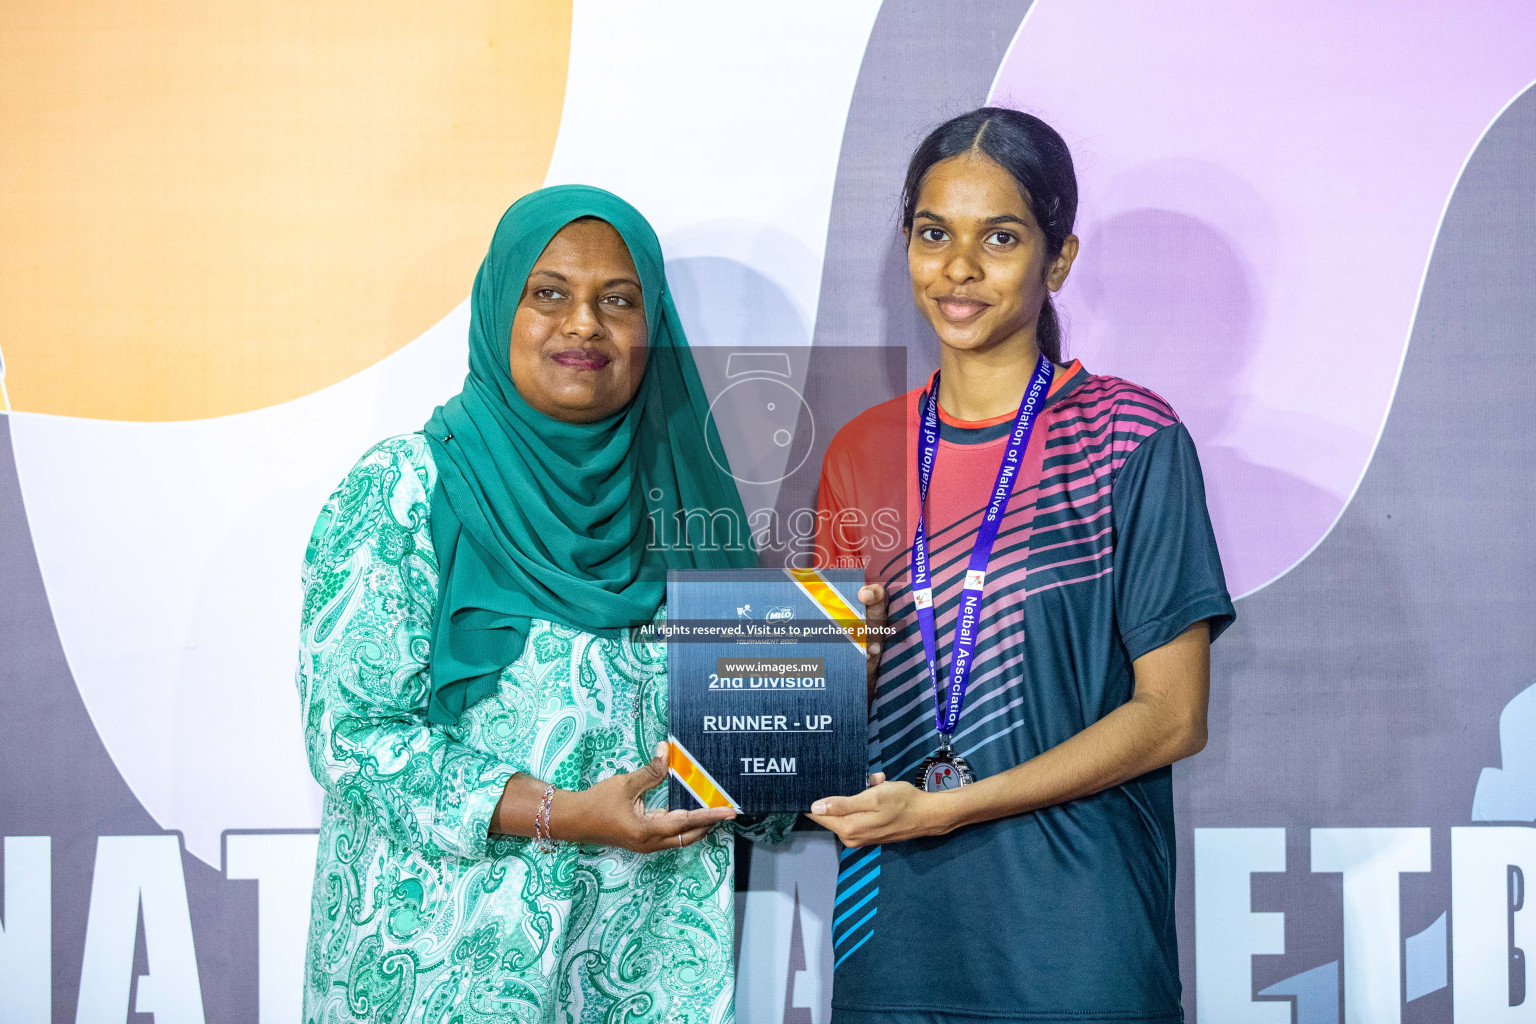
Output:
x,y
1371,860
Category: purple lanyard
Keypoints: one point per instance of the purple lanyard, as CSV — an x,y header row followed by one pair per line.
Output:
x,y
968,624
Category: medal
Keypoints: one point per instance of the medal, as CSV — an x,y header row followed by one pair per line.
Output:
x,y
945,769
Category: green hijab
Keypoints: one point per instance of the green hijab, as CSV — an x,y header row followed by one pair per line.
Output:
x,y
533,517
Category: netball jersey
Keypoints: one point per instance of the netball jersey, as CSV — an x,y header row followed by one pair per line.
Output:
x,y
1105,553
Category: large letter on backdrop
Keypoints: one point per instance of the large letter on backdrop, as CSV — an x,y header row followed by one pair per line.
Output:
x,y
134,874
26,930
1229,933
1494,923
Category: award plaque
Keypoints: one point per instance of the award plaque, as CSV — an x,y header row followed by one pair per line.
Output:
x,y
766,688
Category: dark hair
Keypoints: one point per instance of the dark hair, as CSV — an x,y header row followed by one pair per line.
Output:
x,y
1037,157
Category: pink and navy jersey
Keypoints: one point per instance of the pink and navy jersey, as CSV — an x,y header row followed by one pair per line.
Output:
x,y
1105,553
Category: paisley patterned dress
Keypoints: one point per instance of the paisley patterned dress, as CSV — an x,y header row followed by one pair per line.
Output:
x,y
419,914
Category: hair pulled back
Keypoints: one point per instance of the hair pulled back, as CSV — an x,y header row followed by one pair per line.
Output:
x,y
1038,159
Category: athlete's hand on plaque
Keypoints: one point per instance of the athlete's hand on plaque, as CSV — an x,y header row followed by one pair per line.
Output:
x,y
873,596
613,813
886,812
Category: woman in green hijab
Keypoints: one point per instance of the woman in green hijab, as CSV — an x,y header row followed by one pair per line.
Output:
x,y
479,709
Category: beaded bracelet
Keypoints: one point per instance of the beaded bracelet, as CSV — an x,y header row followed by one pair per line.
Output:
x,y
541,836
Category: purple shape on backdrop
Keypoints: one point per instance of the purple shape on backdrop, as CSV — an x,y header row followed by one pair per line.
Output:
x,y
1183,290
1261,185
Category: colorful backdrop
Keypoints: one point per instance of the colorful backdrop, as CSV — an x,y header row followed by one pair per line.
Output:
x,y
235,247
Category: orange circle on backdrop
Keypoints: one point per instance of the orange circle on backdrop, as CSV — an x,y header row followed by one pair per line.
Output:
x,y
215,208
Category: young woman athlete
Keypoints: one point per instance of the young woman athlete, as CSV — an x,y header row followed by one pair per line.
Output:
x,y
1056,591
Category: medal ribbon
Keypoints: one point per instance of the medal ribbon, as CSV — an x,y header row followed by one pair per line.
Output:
x,y
968,624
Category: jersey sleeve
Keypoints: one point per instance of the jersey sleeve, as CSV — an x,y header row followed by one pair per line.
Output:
x,y
1167,569
370,589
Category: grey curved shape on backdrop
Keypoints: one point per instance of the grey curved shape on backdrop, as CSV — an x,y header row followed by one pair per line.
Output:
x,y
1364,688
61,782
921,66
